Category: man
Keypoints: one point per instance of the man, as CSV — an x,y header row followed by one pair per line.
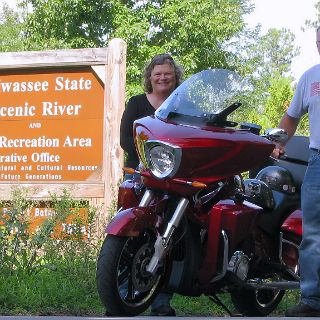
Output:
x,y
307,100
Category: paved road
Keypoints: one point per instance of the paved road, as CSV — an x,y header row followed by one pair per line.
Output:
x,y
127,318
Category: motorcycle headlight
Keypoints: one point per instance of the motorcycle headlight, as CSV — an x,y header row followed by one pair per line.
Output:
x,y
163,159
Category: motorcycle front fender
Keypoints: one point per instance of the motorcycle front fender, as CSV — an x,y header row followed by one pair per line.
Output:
x,y
132,221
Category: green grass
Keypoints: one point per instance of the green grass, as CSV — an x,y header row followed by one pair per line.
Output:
x,y
203,306
49,292
67,291
198,306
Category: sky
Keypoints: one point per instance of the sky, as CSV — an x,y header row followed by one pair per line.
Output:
x,y
290,14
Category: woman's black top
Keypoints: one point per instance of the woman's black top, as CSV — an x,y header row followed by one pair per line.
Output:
x,y
137,107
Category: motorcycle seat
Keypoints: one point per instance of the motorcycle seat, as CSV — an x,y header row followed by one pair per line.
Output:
x,y
297,153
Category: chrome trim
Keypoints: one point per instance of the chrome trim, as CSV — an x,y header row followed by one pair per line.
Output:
x,y
120,209
252,205
146,199
203,199
266,284
175,220
225,262
294,274
161,244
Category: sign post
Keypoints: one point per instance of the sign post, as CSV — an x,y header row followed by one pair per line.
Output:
x,y
60,115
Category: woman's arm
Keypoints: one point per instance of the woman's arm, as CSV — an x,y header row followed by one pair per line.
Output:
x,y
126,127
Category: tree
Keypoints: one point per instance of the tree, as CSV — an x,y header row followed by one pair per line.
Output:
x,y
193,31
276,50
269,59
10,30
315,23
200,34
54,24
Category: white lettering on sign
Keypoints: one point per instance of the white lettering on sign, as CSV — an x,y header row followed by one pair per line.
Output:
x,y
29,143
8,168
47,176
18,111
14,157
34,125
45,157
66,84
72,228
81,168
77,142
61,83
24,86
53,109
26,168
44,212
9,176
48,167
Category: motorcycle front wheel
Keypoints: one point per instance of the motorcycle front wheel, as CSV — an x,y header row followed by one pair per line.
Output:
x,y
124,286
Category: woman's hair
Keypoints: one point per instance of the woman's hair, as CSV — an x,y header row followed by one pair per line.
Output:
x,y
159,60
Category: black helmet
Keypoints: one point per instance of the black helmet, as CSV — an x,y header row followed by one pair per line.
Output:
x,y
277,178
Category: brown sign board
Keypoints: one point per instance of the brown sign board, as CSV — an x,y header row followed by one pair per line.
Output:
x,y
60,114
74,226
51,125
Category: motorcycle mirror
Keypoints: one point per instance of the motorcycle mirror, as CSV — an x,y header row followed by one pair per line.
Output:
x,y
277,135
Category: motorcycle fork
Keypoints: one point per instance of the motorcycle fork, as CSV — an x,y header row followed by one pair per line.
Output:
x,y
161,244
146,199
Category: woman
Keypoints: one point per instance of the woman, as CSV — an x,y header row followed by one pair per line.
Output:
x,y
161,77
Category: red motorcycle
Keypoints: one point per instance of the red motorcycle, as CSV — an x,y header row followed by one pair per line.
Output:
x,y
188,222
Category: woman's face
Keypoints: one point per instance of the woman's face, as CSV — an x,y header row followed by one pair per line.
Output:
x,y
163,79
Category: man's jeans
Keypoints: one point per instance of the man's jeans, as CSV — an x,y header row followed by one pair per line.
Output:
x,y
310,246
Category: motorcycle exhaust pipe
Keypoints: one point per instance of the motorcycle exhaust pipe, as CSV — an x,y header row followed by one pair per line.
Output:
x,y
260,284
265,284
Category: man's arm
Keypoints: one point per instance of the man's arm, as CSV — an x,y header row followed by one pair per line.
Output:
x,y
289,124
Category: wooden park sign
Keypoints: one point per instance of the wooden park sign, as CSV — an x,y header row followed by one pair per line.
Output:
x,y
60,112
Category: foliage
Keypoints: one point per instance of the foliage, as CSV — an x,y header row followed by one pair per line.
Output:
x,y
199,34
279,95
278,99
276,50
148,27
269,65
27,250
56,24
314,23
10,30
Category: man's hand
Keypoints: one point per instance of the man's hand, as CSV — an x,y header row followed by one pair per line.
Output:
x,y
277,151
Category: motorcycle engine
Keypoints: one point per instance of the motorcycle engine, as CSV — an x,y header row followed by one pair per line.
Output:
x,y
239,265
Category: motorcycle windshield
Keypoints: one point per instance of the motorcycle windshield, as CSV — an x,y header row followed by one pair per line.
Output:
x,y
206,98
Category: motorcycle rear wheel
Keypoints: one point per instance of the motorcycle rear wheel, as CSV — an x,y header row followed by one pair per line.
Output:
x,y
124,286
256,303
